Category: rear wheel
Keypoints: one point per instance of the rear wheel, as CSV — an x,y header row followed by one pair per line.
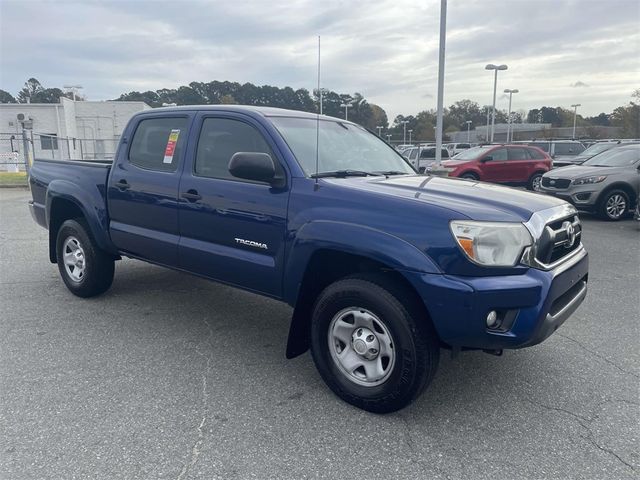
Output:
x,y
372,344
614,205
85,269
535,182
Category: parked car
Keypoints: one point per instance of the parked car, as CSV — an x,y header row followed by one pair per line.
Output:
x,y
560,151
590,151
423,158
509,164
455,148
382,266
607,184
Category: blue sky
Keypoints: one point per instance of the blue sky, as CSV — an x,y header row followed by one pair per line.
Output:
x,y
559,52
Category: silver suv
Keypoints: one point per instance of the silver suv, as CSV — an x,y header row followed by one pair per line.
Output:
x,y
607,184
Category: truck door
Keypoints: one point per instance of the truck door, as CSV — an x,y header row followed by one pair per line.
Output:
x,y
232,230
143,188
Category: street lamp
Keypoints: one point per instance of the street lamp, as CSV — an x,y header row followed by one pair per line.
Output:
x,y
468,122
404,131
410,132
388,138
379,127
346,109
495,68
575,114
510,92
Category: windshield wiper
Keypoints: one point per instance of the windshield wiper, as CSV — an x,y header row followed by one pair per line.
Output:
x,y
342,174
389,172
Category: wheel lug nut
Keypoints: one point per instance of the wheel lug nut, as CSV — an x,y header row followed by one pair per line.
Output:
x,y
360,332
370,338
373,351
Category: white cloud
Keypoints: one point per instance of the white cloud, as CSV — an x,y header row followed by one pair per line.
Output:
x,y
387,50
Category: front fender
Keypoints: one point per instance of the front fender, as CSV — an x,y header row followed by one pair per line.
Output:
x,y
92,204
355,239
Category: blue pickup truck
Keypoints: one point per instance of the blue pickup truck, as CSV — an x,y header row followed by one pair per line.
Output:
x,y
383,267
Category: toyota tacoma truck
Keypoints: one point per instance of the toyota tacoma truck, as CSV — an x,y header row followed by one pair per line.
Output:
x,y
383,267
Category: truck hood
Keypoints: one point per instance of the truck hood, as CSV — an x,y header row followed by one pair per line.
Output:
x,y
579,171
464,198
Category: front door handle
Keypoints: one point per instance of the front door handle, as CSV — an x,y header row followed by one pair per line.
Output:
x,y
122,185
191,195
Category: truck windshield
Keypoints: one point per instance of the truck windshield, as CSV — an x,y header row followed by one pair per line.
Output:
x,y
342,147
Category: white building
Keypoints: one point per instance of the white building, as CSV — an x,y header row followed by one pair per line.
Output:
x,y
69,129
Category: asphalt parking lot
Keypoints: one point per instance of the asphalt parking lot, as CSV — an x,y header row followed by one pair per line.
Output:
x,y
170,376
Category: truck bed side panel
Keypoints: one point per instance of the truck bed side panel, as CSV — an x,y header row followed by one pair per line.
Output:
x,y
82,183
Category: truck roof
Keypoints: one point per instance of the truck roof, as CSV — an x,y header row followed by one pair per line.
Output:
x,y
264,111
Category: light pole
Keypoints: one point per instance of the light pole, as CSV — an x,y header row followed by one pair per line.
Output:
x,y
388,138
488,112
346,109
510,92
404,131
379,127
439,115
410,132
468,122
575,114
495,68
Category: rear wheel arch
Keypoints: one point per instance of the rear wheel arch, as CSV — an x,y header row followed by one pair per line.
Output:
x,y
60,210
327,266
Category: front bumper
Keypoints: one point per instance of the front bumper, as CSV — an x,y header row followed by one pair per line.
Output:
x,y
538,301
583,197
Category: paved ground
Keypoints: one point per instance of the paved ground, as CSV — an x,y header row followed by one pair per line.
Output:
x,y
170,376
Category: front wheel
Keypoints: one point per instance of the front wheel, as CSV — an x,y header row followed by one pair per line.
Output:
x,y
372,343
469,176
86,270
614,205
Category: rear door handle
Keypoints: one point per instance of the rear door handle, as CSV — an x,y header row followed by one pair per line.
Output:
x,y
191,195
122,185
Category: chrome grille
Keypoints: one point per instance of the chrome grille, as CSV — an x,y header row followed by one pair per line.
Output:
x,y
558,239
555,182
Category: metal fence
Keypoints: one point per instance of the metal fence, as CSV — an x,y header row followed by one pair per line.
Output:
x,y
18,149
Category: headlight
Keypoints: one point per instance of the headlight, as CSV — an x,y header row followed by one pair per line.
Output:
x,y
587,180
495,244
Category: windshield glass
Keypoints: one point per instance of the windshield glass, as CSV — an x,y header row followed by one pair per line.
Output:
x,y
616,157
343,146
472,153
598,148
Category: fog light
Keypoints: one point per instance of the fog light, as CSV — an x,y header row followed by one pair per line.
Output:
x,y
492,319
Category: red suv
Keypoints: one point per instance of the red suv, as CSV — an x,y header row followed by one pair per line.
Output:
x,y
512,164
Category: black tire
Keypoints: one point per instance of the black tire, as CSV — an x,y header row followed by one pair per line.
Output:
x,y
96,273
605,209
469,176
535,178
415,342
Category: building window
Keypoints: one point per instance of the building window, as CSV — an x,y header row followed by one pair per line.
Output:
x,y
49,141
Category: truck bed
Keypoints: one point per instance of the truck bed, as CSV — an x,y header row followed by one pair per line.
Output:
x,y
88,179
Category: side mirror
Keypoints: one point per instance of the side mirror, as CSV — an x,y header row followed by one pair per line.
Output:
x,y
255,166
486,158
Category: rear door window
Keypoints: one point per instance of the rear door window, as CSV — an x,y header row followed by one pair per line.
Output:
x,y
516,153
499,154
158,143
